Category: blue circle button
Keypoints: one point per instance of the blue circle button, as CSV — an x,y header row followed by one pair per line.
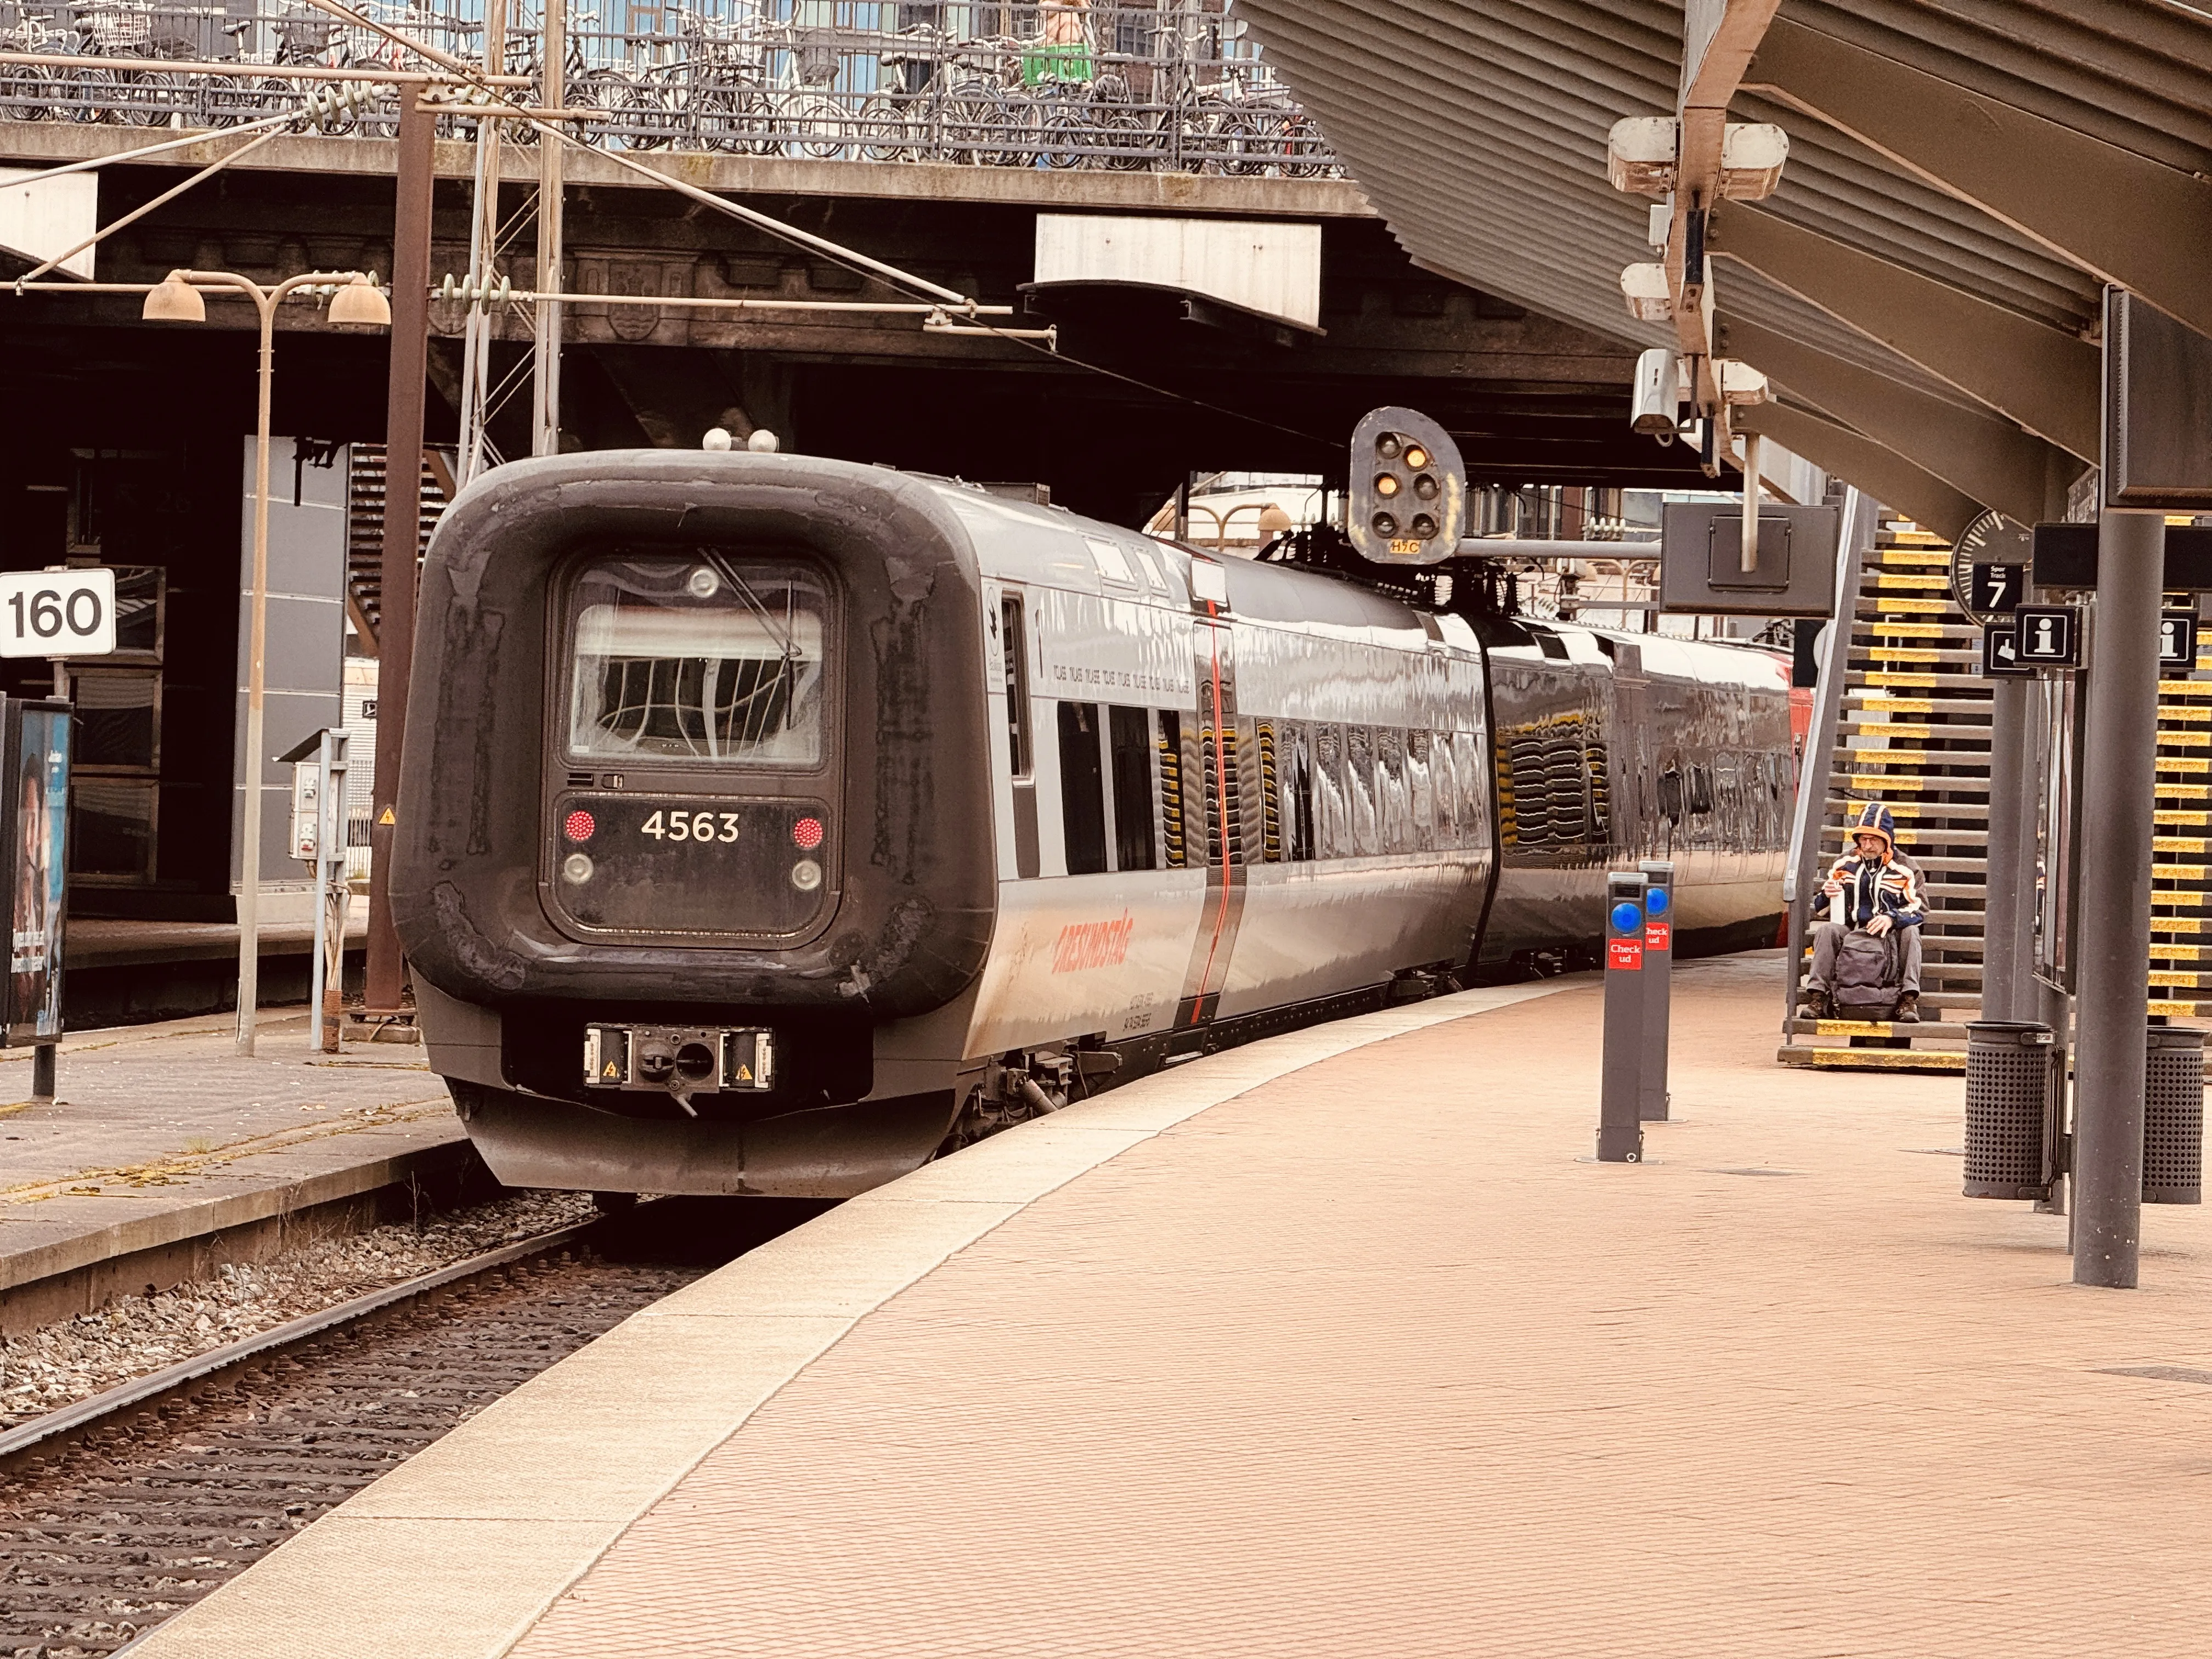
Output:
x,y
1626,918
1655,901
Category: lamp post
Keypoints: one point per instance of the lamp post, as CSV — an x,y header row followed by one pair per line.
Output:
x,y
177,299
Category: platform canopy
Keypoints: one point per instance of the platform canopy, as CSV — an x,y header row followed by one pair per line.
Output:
x,y
1923,287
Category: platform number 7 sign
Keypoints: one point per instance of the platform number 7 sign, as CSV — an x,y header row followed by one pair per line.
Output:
x,y
2177,639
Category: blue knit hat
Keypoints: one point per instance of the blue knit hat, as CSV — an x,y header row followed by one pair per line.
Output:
x,y
1873,819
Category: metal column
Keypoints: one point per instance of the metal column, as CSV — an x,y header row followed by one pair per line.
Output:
x,y
2004,971
2119,779
1619,1131
545,383
1658,985
403,511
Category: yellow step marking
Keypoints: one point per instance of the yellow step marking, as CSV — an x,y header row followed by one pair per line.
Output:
x,y
1891,729
1902,653
1883,781
1921,581
1882,705
1917,682
2180,924
2179,953
1906,544
2186,739
2173,1010
2179,844
2191,872
1903,630
1890,604
2183,981
1890,1059
2181,817
2185,688
2181,764
2193,716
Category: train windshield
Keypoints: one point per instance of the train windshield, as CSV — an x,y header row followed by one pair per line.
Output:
x,y
699,659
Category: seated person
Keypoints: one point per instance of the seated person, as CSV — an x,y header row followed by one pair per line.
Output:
x,y
1882,894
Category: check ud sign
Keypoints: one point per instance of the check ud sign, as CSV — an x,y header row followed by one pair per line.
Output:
x,y
57,613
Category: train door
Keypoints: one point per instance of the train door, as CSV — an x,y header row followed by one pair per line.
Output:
x,y
1221,824
1008,623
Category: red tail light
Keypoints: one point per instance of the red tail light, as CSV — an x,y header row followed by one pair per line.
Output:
x,y
807,834
579,825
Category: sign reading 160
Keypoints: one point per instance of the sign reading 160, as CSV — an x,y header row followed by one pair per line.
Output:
x,y
57,613
689,826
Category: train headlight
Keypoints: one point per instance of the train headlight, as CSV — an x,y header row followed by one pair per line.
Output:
x,y
576,868
703,583
806,875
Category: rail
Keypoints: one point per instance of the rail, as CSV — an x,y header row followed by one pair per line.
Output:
x,y
1174,88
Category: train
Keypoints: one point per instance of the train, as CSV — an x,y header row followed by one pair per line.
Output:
x,y
770,824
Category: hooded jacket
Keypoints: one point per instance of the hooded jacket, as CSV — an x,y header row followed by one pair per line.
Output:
x,y
1878,886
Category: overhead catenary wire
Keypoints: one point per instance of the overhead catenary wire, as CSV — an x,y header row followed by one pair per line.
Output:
x,y
145,207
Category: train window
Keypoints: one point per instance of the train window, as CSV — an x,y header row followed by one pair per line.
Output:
x,y
697,659
1419,786
1359,789
1393,797
1013,644
1130,760
1082,789
1701,790
1298,791
1473,789
1445,787
1671,802
1172,830
1332,806
1270,788
1597,764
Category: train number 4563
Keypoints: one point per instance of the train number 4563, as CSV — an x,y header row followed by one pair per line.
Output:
x,y
680,825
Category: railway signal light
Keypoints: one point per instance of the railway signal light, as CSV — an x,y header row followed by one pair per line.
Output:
x,y
1409,497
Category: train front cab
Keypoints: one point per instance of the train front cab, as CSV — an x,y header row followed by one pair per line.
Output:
x,y
691,808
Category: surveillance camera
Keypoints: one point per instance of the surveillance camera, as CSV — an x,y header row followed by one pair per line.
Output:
x,y
1655,406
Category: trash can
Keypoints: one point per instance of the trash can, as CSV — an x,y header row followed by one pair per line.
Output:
x,y
2173,1116
2008,1082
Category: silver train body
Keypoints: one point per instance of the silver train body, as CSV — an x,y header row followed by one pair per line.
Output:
x,y
769,825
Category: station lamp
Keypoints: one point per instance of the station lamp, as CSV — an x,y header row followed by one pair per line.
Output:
x,y
1408,496
173,299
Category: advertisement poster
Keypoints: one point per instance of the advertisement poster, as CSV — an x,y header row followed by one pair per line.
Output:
x,y
38,800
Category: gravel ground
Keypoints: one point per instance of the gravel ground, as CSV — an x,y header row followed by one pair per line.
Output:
x,y
56,1365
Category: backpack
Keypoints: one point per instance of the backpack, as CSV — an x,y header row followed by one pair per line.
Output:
x,y
1868,977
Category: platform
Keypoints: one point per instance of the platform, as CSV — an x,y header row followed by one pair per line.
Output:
x,y
168,1154
1338,1344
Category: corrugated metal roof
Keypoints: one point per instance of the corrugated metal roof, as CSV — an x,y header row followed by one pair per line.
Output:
x,y
1479,132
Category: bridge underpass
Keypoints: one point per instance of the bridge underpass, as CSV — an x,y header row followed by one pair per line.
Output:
x,y
1533,400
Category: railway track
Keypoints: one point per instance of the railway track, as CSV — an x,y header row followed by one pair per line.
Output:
x,y
149,1496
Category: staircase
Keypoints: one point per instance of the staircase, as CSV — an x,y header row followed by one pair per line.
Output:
x,y
1914,734
365,531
